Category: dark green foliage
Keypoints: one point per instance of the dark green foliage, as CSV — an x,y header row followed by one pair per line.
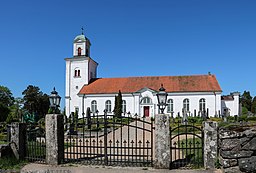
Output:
x,y
230,119
35,101
251,119
16,111
244,111
242,118
197,120
4,111
6,97
118,105
11,163
6,100
246,100
217,164
253,107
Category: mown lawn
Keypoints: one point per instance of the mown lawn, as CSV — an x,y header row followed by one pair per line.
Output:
x,y
11,163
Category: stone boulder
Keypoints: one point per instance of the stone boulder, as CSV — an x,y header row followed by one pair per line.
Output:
x,y
247,164
235,154
251,145
226,163
231,144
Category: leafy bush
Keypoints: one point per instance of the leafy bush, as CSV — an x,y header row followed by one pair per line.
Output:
x,y
244,111
216,119
231,119
242,118
3,137
196,120
251,119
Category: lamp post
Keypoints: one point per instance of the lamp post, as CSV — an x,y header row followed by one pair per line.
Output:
x,y
54,99
161,97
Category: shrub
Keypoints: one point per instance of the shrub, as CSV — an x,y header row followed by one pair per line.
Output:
x,y
251,118
198,120
244,111
230,119
242,118
216,119
3,137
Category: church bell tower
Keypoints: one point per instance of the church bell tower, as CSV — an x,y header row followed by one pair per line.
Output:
x,y
80,69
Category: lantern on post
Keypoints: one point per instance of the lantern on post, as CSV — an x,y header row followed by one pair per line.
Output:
x,y
161,97
54,99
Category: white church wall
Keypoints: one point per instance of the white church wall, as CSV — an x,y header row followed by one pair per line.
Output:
x,y
75,83
236,103
231,105
133,102
210,102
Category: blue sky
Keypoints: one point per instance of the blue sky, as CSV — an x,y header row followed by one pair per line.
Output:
x,y
129,38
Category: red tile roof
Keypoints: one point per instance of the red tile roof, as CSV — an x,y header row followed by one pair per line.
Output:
x,y
227,98
194,83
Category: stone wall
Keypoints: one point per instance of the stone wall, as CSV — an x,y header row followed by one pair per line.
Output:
x,y
238,149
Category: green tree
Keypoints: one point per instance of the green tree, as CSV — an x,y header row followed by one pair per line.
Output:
x,y
244,111
253,108
118,105
6,97
15,111
6,101
35,101
4,111
246,100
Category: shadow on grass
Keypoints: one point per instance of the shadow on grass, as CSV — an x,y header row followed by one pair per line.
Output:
x,y
11,163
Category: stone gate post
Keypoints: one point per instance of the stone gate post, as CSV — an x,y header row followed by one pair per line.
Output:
x,y
54,138
162,141
18,139
210,144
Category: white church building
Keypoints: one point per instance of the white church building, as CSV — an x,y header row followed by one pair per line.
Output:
x,y
192,94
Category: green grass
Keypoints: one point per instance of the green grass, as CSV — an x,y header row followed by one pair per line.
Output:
x,y
197,160
111,122
11,163
36,149
3,137
3,142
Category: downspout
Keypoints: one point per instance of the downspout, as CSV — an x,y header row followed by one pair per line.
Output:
x,y
133,103
69,87
88,71
83,106
215,104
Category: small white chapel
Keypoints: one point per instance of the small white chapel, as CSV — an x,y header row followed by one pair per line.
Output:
x,y
191,94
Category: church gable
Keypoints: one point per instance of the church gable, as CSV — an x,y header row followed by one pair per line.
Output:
x,y
145,89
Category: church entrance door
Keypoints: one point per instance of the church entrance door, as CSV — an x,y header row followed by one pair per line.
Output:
x,y
146,111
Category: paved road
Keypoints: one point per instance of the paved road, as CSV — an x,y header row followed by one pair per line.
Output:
x,y
40,168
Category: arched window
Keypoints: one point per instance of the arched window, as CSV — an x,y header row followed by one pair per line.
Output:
x,y
186,104
146,100
77,73
108,106
79,51
170,105
124,106
94,106
202,104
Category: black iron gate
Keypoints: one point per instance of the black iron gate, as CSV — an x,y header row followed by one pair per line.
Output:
x,y
109,140
186,145
35,142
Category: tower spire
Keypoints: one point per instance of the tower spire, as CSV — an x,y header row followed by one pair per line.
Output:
x,y
82,30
